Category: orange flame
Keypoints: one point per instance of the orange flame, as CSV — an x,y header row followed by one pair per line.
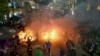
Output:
x,y
25,35
51,35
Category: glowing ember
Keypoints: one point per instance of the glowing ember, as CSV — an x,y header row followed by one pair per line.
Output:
x,y
25,35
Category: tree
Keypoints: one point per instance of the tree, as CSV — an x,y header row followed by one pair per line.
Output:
x,y
4,9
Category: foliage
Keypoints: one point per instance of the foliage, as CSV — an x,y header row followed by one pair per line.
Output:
x,y
4,9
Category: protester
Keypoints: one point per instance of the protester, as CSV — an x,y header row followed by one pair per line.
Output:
x,y
44,50
29,50
62,53
15,42
29,43
12,52
93,48
70,48
6,52
39,52
1,52
48,46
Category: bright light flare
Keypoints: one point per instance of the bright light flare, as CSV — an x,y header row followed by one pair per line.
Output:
x,y
51,35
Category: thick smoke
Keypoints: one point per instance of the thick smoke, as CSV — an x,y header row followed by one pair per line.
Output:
x,y
44,19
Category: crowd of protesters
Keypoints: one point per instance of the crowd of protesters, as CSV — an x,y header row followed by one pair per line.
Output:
x,y
90,47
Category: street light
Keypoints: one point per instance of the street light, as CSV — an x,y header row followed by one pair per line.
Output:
x,y
12,4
